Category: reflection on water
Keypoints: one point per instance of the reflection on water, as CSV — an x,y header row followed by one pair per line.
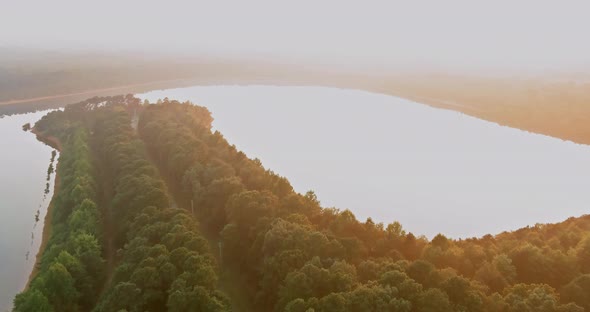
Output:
x,y
26,187
393,159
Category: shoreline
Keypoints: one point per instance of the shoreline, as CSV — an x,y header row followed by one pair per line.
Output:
x,y
56,144
85,92
23,106
286,77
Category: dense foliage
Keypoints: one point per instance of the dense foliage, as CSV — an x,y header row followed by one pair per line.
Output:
x,y
71,266
287,252
299,256
162,263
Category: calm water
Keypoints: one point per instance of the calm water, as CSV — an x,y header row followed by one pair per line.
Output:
x,y
22,183
392,159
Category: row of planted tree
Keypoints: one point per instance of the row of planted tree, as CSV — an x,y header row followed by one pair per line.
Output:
x,y
292,254
162,263
71,266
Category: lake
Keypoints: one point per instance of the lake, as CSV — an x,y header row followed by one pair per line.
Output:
x,y
22,199
392,159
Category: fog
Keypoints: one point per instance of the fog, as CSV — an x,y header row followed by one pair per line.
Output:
x,y
501,34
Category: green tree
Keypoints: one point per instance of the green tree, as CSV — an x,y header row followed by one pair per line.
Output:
x,y
32,301
61,290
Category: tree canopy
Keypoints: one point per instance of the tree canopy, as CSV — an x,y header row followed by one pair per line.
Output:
x,y
185,205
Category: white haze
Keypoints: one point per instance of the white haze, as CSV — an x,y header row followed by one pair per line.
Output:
x,y
501,34
392,159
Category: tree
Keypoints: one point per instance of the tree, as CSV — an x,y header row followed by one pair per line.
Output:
x,y
212,203
434,300
124,296
245,208
462,294
395,230
420,271
32,301
61,290
498,274
333,302
583,254
534,297
578,291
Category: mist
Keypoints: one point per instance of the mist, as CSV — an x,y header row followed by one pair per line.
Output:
x,y
498,35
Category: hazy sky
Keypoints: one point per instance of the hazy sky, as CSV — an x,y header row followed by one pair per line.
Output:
x,y
528,33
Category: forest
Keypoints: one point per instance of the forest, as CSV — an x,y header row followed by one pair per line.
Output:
x,y
154,209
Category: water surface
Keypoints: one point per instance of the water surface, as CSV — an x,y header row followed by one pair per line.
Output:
x,y
22,197
393,159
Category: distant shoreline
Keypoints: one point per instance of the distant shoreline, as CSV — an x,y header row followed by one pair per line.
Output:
x,y
87,92
23,106
517,110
